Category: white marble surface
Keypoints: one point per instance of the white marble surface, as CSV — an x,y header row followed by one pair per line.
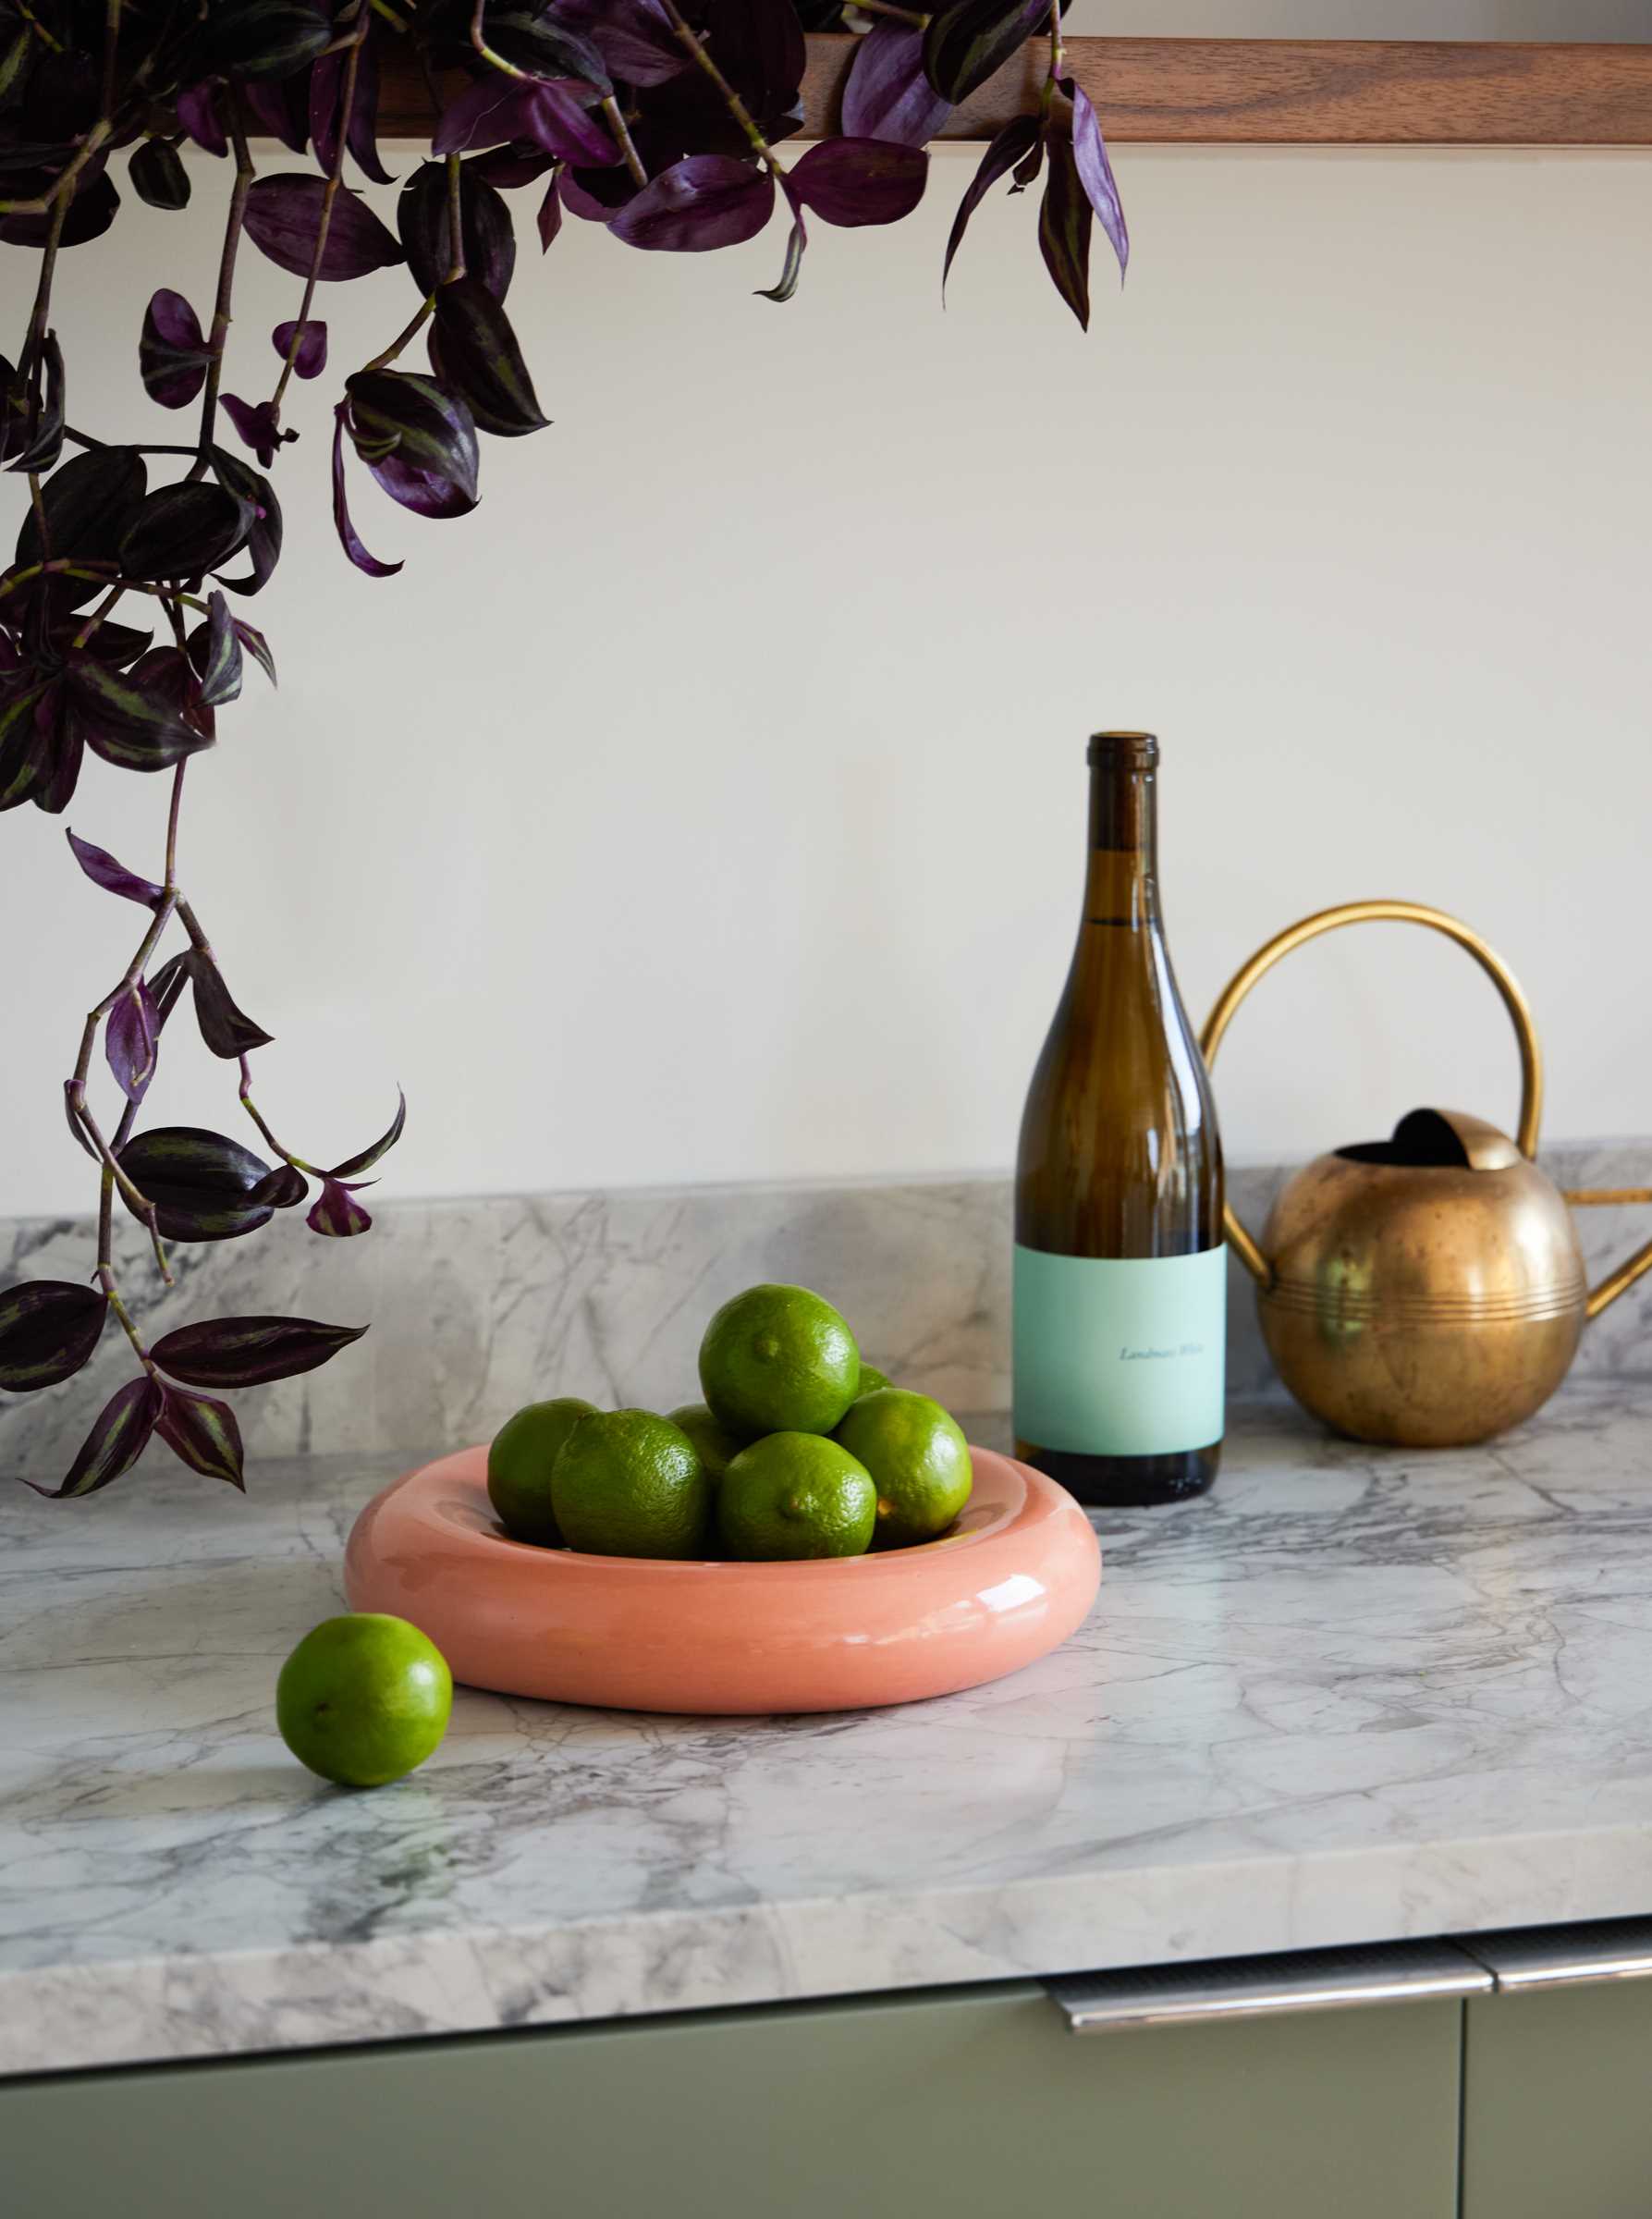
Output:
x,y
1352,1695
473,1305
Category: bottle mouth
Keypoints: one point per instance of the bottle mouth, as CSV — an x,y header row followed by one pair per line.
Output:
x,y
1137,751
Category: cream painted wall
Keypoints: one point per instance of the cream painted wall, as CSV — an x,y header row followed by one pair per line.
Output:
x,y
709,806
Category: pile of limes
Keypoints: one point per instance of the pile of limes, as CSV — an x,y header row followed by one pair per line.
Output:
x,y
798,1450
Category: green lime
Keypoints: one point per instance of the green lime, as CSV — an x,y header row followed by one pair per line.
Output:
x,y
363,1699
871,1379
919,1459
518,1466
796,1494
714,1442
631,1483
779,1360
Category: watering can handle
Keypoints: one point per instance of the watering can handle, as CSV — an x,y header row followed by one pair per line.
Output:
x,y
1394,912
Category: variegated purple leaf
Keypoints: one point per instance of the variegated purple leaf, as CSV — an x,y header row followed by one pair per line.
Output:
x,y
797,243
48,1329
172,350
423,219
251,1352
263,539
253,640
228,1031
888,95
167,984
100,867
336,1213
497,111
310,358
549,219
284,1188
1017,137
182,531
354,1166
1095,172
117,1439
418,439
202,1433
474,351
360,128
966,43
282,109
1064,222
202,1185
159,177
132,718
701,202
197,108
284,221
258,426
634,37
216,654
129,1041
855,181
349,537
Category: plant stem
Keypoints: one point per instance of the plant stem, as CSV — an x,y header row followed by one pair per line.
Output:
x,y
62,187
251,1107
169,884
347,98
404,337
623,139
111,43
896,15
219,335
732,99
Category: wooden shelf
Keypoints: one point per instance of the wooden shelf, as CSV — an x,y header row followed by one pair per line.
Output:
x,y
1275,93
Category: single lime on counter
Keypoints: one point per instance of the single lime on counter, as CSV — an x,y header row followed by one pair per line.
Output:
x,y
631,1483
716,1443
518,1466
363,1699
779,1360
795,1495
919,1460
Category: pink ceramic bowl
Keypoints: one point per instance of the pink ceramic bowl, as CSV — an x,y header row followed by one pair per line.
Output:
x,y
1011,1582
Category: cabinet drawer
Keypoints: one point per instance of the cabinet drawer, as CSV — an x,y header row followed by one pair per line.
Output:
x,y
968,2104
1555,2113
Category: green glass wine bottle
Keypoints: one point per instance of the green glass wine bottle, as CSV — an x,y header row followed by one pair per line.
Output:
x,y
1121,1274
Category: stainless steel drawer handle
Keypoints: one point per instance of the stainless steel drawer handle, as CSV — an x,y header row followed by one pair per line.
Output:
x,y
1309,1979
1562,1957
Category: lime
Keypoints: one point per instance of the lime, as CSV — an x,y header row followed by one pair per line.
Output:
x,y
518,1466
363,1699
714,1442
919,1459
779,1360
631,1483
795,1494
871,1379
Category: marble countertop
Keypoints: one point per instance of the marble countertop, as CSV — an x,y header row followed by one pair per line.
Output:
x,y
1353,1695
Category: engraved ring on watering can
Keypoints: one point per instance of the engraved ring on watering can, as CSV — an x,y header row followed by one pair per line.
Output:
x,y
1426,1290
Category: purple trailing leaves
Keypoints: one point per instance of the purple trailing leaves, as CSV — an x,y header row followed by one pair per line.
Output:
x,y
548,221
181,530
134,720
360,128
202,1433
216,655
349,537
48,1329
1016,141
89,502
855,181
283,219
1064,221
965,43
251,1352
264,534
228,1031
889,94
309,356
554,116
100,867
336,1213
158,176
117,1439
486,235
196,108
202,1183
258,426
474,352
285,1186
257,647
418,439
634,37
701,202
1095,172
131,1039
266,38
354,1166
172,350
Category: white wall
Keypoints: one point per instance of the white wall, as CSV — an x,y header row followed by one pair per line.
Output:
x,y
709,806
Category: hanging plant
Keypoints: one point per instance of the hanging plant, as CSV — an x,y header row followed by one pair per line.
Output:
x,y
120,623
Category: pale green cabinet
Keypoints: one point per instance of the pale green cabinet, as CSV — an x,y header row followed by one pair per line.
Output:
x,y
961,2104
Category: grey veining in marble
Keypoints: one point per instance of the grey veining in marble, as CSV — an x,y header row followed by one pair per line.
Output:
x,y
475,1306
1352,1695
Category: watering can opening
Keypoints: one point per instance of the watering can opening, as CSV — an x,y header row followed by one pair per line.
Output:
x,y
1438,1140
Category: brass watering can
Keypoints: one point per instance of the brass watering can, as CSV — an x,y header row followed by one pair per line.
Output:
x,y
1426,1290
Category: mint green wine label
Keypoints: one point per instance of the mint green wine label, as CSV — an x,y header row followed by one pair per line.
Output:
x,y
1120,1356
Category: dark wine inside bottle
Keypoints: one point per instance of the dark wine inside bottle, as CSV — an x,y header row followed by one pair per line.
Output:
x,y
1119,1269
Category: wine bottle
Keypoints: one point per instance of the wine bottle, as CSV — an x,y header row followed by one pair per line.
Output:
x,y
1121,1274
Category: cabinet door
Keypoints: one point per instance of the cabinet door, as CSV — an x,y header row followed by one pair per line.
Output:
x,y
965,2105
1556,2116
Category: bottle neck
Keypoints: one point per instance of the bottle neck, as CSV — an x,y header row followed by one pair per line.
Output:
x,y
1122,886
